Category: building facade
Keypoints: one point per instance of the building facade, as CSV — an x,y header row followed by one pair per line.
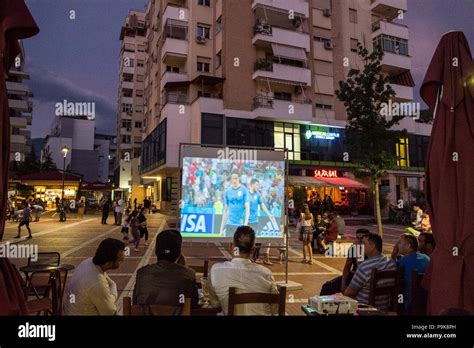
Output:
x,y
130,115
88,153
264,73
20,108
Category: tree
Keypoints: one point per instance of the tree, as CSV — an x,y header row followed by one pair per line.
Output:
x,y
369,138
47,162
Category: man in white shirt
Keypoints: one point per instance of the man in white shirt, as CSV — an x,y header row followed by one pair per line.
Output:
x,y
90,291
242,274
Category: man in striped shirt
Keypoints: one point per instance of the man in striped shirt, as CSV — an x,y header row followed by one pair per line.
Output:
x,y
360,283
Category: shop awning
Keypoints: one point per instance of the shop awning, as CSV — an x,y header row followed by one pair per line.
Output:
x,y
289,52
305,181
346,182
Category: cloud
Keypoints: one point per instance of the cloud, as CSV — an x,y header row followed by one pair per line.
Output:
x,y
50,88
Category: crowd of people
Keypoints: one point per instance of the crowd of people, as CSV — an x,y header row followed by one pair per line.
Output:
x,y
166,281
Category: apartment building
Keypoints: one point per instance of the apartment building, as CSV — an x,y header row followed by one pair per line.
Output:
x,y
20,108
264,73
130,111
88,152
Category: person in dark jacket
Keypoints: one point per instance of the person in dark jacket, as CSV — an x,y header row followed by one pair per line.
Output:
x,y
105,210
142,225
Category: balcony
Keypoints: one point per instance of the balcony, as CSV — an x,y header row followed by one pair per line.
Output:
x,y
388,8
389,28
174,78
128,84
393,63
20,105
19,122
175,98
175,13
282,109
403,93
174,51
269,70
273,34
17,139
17,88
298,6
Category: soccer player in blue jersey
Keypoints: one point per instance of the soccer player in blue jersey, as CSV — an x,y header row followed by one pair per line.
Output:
x,y
256,202
236,206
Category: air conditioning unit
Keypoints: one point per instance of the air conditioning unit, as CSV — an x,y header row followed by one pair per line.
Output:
x,y
328,45
200,39
375,26
327,12
297,22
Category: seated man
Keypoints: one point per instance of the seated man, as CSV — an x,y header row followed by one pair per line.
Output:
x,y
339,284
242,274
412,259
166,281
90,291
360,284
330,234
426,243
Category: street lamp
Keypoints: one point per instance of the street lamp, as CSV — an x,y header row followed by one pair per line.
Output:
x,y
64,150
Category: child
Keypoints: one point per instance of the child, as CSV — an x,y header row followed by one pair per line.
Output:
x,y
125,225
25,220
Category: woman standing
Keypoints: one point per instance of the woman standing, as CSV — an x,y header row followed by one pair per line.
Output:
x,y
306,234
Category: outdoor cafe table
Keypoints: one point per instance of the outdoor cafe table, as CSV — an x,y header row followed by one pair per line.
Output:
x,y
44,268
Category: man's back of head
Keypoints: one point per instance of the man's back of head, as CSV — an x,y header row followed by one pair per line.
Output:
x,y
168,245
244,240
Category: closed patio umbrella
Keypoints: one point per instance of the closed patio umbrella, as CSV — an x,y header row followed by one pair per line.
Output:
x,y
448,90
15,23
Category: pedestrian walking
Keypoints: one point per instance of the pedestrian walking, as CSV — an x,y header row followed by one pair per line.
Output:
x,y
135,203
25,220
133,223
142,225
119,208
105,210
126,224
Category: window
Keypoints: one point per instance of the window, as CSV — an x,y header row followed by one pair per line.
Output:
x,y
219,24
219,59
402,153
127,124
139,93
138,125
354,45
203,64
140,63
204,30
128,62
126,139
322,39
212,129
138,108
204,94
127,92
140,24
141,48
129,47
126,107
128,77
352,15
170,68
392,44
140,78
324,106
282,96
154,148
204,3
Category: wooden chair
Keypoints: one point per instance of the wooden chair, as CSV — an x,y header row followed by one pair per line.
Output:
x,y
155,310
204,269
46,304
419,296
386,283
255,297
